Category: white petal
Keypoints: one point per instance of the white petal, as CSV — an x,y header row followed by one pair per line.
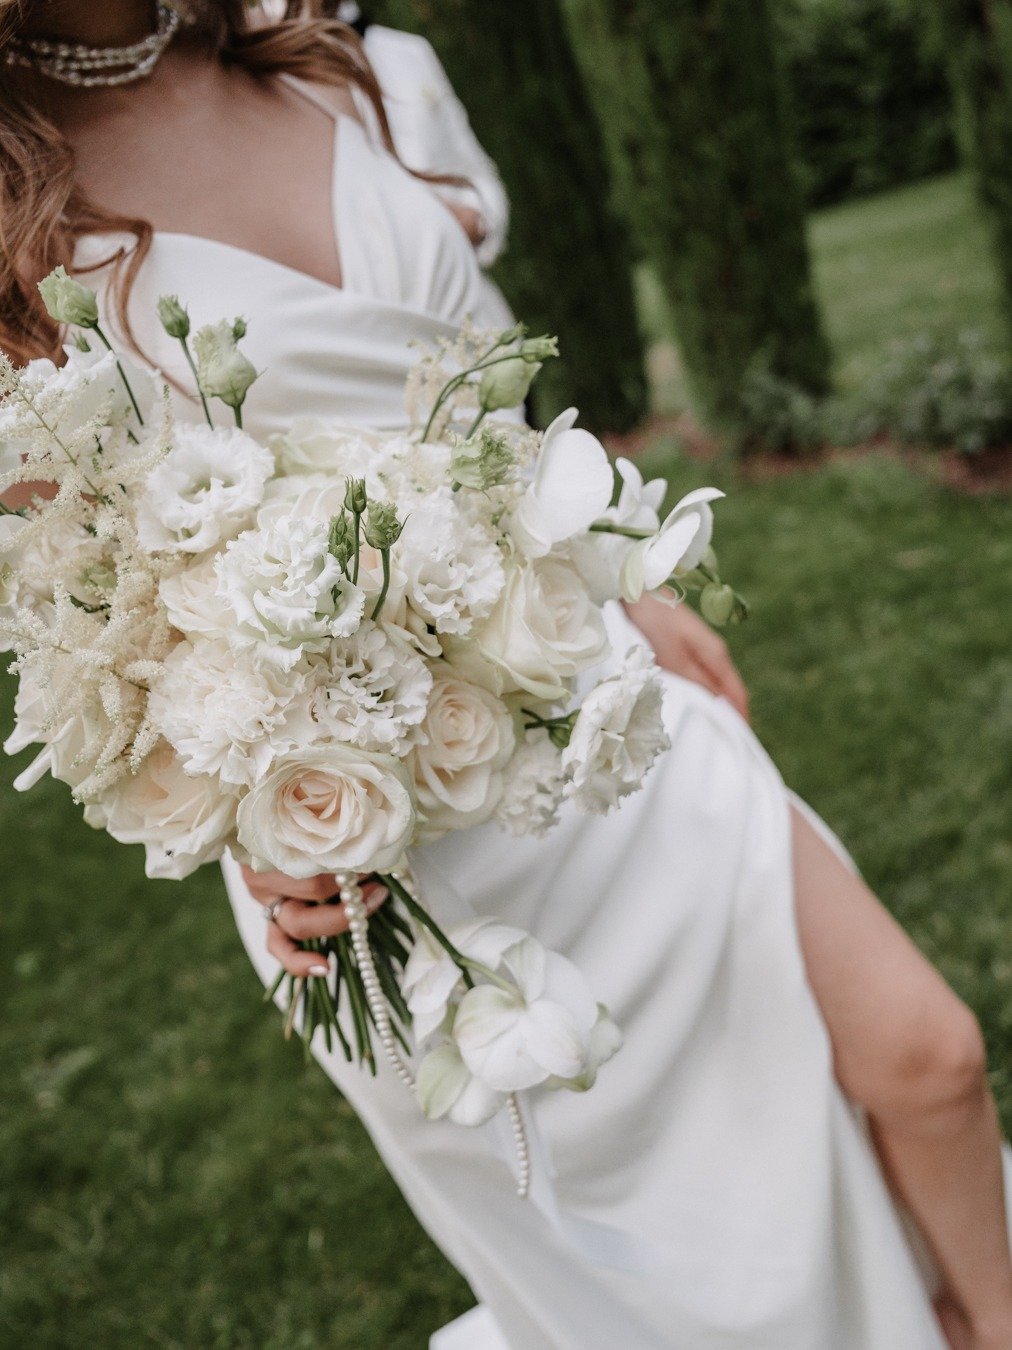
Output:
x,y
476,1104
526,961
442,1077
554,1040
666,551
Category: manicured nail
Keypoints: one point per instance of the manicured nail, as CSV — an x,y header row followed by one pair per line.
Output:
x,y
319,970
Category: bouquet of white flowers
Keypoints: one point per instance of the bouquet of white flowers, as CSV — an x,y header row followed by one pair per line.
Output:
x,y
321,652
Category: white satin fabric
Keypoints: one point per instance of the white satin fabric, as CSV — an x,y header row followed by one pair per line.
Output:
x,y
714,1189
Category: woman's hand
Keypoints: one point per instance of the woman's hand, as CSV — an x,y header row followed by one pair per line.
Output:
x,y
297,915
687,646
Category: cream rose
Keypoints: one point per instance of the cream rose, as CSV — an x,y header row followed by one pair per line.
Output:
x,y
183,821
467,738
328,809
544,629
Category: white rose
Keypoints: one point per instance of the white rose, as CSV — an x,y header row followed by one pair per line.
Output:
x,y
192,601
533,787
221,716
544,629
467,738
571,488
314,446
206,489
679,545
286,591
183,821
328,809
618,734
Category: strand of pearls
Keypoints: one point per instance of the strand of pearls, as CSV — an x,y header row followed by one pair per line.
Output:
x,y
350,893
85,67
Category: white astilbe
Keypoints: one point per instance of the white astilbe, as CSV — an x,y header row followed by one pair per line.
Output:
x,y
370,690
533,787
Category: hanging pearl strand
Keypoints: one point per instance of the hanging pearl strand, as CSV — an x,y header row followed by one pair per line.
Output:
x,y
86,67
351,897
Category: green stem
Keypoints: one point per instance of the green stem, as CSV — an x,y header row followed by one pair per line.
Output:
x,y
455,381
356,517
122,373
196,378
385,556
482,414
425,919
238,415
627,531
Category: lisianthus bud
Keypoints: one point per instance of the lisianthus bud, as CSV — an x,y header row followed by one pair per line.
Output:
x,y
239,328
341,541
539,348
717,604
174,317
222,370
505,384
382,528
355,496
485,461
67,301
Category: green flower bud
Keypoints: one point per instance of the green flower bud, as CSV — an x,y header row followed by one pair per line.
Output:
x,y
355,496
505,384
382,528
485,461
709,561
539,348
717,603
222,370
342,539
174,317
238,329
67,301
81,343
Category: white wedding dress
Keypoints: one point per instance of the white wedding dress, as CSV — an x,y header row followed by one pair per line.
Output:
x,y
715,1188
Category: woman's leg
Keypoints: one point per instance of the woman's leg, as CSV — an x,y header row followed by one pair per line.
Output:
x,y
907,1050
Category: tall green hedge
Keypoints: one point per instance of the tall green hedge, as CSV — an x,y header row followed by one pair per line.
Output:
x,y
568,266
871,99
692,97
977,35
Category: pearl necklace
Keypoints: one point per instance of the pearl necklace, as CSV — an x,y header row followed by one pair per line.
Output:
x,y
93,67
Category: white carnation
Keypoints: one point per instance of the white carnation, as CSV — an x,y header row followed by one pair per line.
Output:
x,y
370,690
286,591
221,716
206,489
192,602
533,787
618,734
453,566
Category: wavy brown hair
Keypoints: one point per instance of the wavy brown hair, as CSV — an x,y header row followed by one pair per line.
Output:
x,y
43,211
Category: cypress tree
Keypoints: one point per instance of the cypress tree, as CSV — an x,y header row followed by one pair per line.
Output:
x,y
567,269
700,133
977,37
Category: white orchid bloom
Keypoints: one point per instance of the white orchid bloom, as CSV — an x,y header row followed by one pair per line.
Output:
x,y
605,1041
571,488
678,545
516,1037
446,1087
431,978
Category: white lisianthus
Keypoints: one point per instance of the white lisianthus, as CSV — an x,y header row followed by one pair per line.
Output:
x,y
182,820
678,546
222,369
538,1027
370,690
205,490
532,788
544,629
328,809
286,591
617,736
192,601
221,716
447,1087
453,567
466,740
571,488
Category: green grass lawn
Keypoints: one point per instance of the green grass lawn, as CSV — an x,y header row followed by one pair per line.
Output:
x,y
170,1174
887,268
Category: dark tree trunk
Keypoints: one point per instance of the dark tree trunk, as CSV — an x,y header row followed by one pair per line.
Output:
x,y
567,269
700,133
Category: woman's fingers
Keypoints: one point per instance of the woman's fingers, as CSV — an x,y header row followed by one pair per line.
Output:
x,y
303,921
304,965
266,886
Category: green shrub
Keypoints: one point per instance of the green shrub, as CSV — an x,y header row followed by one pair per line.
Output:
x,y
871,98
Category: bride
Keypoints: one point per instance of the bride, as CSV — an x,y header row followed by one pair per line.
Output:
x,y
797,1148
